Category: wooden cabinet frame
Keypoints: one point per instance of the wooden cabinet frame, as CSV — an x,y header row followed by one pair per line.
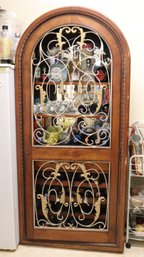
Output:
x,y
113,239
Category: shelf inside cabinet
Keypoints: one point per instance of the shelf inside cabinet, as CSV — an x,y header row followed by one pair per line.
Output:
x,y
72,83
134,235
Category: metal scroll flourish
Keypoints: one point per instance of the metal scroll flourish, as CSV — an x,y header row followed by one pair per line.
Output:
x,y
72,96
71,196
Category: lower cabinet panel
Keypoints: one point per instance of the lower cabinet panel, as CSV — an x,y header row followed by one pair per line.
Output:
x,y
71,195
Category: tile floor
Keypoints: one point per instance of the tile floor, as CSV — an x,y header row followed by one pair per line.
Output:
x,y
136,250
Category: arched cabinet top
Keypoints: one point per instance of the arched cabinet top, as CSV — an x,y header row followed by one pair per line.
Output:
x,y
75,15
93,21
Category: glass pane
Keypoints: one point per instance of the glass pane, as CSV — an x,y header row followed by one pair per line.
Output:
x,y
71,88
71,194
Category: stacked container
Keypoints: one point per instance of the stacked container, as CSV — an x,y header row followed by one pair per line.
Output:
x,y
10,31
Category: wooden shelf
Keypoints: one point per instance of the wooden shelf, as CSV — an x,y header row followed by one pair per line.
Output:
x,y
72,83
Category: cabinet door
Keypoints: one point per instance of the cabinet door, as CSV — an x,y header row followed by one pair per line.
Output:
x,y
73,79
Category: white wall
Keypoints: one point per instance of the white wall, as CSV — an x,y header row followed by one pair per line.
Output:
x,y
127,14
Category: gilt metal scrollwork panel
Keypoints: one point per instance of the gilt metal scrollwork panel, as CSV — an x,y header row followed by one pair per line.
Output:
x,y
71,88
72,195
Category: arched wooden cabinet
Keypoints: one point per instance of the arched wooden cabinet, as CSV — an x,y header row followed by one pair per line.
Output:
x,y
72,100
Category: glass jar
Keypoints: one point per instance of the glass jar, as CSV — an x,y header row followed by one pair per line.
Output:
x,y
5,45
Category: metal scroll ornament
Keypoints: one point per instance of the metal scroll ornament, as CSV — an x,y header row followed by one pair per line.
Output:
x,y
72,93
71,195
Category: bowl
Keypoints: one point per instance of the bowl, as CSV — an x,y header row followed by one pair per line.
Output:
x,y
137,201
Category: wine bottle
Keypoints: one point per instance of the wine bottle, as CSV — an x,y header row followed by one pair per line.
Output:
x,y
44,74
38,74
